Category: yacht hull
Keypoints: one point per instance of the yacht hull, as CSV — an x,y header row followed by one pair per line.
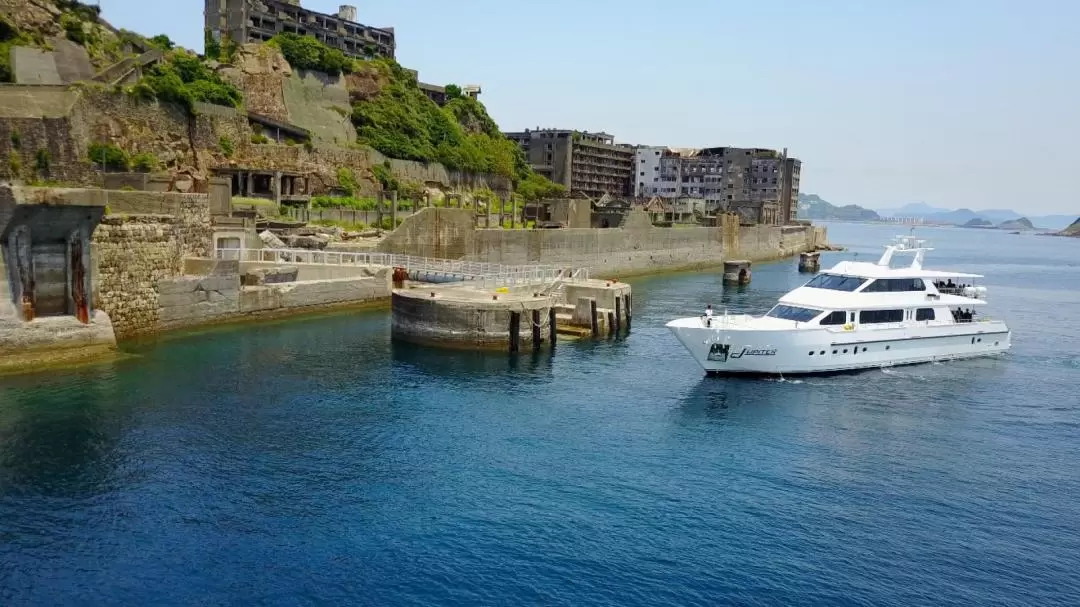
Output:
x,y
725,351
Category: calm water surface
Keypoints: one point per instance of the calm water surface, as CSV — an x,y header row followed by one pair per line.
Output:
x,y
313,462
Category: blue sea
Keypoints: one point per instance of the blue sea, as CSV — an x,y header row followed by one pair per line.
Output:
x,y
315,462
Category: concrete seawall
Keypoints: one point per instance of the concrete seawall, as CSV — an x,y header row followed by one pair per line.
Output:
x,y
636,248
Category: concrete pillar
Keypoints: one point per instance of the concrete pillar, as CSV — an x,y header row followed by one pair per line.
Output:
x,y
21,271
393,209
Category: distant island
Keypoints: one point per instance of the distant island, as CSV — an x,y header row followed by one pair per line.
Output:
x,y
1021,224
1016,225
812,206
1000,218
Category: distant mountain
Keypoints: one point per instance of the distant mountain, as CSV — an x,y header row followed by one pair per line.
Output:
x,y
914,209
1016,224
978,222
812,206
960,217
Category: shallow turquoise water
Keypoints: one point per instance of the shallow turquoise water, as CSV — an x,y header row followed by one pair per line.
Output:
x,y
314,462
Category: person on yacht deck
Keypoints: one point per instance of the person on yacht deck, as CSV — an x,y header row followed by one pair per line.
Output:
x,y
708,315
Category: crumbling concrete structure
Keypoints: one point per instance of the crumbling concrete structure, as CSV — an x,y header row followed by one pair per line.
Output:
x,y
46,298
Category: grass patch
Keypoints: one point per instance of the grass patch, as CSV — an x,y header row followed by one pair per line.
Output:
x,y
344,225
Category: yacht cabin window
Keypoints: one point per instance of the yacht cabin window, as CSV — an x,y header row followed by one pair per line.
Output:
x,y
834,282
870,317
924,314
836,318
895,285
793,313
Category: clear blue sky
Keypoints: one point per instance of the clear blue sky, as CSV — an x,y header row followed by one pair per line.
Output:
x,y
958,103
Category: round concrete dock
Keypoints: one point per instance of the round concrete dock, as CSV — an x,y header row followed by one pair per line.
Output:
x,y
472,318
509,319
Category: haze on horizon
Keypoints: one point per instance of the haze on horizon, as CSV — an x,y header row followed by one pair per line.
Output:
x,y
963,103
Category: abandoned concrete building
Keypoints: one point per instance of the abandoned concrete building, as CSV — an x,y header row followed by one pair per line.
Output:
x,y
587,163
762,185
244,21
282,187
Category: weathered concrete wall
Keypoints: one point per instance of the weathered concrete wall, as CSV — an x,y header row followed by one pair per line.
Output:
x,y
449,233
191,301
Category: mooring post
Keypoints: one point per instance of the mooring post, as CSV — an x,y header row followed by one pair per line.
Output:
x,y
610,324
515,330
629,309
536,329
551,322
595,323
618,313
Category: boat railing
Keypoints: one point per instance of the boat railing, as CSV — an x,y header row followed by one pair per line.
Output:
x,y
969,292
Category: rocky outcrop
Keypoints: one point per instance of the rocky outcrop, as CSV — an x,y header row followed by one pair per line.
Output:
x,y
40,16
260,71
1073,230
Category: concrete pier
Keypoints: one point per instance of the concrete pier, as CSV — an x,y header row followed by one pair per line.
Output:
x,y
517,319
737,272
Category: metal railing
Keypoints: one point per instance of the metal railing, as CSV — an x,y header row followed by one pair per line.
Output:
x,y
488,274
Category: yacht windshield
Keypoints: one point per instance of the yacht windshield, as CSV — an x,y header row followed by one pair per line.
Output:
x,y
793,313
835,283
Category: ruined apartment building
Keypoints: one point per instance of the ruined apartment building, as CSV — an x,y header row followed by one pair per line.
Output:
x,y
725,177
246,21
590,163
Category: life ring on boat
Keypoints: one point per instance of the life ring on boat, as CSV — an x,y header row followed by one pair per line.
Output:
x,y
849,327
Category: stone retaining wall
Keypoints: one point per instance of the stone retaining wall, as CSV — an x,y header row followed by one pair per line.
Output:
x,y
131,254
450,234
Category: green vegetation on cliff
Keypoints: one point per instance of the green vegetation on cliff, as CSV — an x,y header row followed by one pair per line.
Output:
x,y
184,78
402,122
307,53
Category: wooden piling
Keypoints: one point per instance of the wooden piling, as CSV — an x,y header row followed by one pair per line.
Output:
x,y
618,314
629,309
536,329
595,322
610,324
551,322
515,331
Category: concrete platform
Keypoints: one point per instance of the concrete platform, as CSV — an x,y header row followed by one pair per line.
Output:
x,y
517,319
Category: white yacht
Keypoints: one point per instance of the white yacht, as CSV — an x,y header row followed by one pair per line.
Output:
x,y
856,315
